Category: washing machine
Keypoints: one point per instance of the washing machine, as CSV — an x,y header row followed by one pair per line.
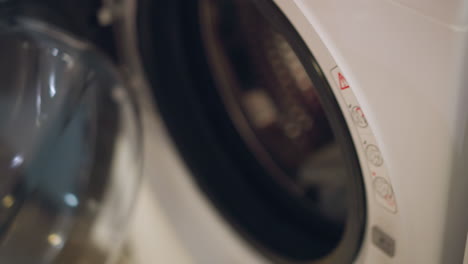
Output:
x,y
300,131
271,131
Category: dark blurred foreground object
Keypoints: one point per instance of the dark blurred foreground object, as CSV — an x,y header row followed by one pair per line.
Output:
x,y
69,146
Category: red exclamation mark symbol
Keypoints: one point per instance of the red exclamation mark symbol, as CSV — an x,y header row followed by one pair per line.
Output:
x,y
343,83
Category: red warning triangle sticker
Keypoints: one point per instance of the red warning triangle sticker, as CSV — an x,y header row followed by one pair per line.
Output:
x,y
342,81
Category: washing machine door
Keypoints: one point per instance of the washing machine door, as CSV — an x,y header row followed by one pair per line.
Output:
x,y
69,137
256,122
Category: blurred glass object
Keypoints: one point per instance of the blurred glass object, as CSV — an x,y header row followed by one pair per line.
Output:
x,y
69,148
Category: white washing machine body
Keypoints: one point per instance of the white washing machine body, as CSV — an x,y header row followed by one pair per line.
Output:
x,y
397,70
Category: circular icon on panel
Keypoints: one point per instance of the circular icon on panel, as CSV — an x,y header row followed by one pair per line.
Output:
x,y
358,117
383,188
373,155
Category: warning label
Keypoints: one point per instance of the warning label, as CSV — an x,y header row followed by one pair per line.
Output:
x,y
342,81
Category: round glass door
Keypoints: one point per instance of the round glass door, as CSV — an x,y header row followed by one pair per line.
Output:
x,y
257,124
